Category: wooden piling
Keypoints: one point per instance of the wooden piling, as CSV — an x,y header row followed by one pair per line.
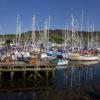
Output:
x,y
0,75
24,74
35,75
11,75
46,74
53,73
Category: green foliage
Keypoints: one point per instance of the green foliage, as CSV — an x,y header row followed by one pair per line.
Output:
x,y
56,38
54,35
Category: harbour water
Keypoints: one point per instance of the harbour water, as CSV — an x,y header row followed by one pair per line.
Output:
x,y
75,82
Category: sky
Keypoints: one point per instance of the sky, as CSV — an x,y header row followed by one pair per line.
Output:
x,y
60,12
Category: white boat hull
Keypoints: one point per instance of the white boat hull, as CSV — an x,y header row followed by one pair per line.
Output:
x,y
62,62
78,57
43,55
89,58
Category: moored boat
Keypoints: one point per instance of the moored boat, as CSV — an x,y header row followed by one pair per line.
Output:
x,y
82,63
83,57
60,62
89,58
74,56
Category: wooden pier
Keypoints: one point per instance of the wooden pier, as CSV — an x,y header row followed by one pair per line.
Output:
x,y
35,69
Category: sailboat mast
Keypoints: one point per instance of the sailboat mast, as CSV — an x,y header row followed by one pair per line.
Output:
x,y
88,36
17,30
3,37
91,36
65,39
72,35
81,29
33,30
48,27
45,36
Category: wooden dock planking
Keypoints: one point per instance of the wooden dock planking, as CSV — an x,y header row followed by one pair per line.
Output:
x,y
16,67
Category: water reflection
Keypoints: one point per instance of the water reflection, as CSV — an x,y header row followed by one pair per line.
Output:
x,y
79,75
79,81
25,89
